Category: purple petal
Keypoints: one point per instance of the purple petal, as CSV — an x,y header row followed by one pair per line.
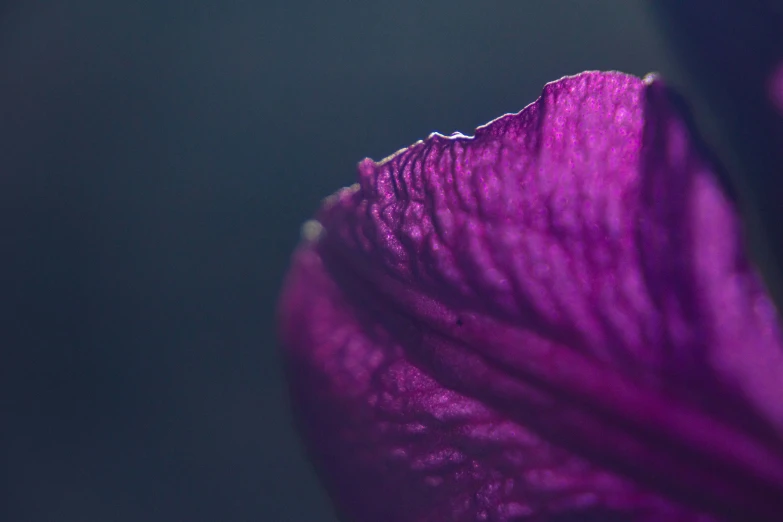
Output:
x,y
731,48
552,318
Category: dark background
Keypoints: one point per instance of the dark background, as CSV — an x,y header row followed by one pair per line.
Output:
x,y
156,162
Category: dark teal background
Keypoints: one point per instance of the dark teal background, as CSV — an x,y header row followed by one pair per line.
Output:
x,y
156,162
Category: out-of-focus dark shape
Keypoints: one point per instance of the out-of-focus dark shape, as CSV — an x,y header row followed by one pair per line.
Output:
x,y
776,88
734,50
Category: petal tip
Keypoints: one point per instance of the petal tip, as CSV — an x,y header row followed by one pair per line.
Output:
x,y
651,78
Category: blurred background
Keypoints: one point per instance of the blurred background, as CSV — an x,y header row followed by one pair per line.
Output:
x,y
156,162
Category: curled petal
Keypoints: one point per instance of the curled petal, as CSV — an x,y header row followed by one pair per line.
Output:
x,y
734,76
553,318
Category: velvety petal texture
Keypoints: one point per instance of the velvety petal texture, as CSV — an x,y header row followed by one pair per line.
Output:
x,y
552,320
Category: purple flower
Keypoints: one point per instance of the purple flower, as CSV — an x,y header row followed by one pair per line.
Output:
x,y
552,320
